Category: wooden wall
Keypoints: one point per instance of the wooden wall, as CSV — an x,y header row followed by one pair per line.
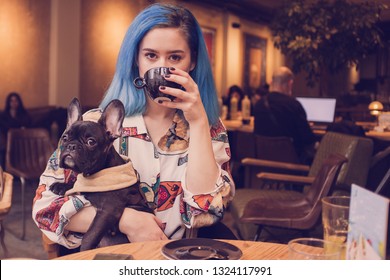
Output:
x,y
24,50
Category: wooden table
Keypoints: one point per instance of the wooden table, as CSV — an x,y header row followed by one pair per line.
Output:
x,y
379,135
151,250
237,125
372,134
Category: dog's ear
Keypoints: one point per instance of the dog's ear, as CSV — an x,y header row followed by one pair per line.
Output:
x,y
74,112
112,118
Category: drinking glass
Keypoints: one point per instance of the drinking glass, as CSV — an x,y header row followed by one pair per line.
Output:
x,y
314,249
335,215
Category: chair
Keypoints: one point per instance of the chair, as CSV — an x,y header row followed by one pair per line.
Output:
x,y
28,151
358,151
279,149
5,203
380,173
293,210
380,165
384,185
242,145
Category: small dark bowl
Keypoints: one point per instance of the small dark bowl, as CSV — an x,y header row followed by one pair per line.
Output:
x,y
152,80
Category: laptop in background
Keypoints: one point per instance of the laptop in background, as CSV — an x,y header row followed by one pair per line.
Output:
x,y
320,111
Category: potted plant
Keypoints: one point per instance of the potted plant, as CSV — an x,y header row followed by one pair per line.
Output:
x,y
323,37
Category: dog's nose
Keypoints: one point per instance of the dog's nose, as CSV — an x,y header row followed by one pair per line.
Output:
x,y
71,147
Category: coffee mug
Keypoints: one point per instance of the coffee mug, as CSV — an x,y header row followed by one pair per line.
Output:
x,y
152,80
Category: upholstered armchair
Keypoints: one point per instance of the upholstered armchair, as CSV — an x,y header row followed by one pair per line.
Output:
x,y
357,150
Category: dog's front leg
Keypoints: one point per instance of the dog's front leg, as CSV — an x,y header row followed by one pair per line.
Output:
x,y
61,188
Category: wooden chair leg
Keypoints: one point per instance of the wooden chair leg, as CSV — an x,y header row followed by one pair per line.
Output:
x,y
258,232
23,186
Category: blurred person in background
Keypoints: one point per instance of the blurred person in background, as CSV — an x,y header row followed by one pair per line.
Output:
x,y
13,116
234,92
279,114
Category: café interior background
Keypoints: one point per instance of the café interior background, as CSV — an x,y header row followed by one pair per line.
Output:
x,y
54,50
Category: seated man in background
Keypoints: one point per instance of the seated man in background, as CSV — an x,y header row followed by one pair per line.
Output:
x,y
280,114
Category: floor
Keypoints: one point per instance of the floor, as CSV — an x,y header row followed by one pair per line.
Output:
x,y
31,247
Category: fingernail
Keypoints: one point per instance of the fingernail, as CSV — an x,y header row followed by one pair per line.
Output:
x,y
172,68
167,76
162,87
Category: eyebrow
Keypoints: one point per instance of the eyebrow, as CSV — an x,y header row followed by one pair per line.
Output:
x,y
152,50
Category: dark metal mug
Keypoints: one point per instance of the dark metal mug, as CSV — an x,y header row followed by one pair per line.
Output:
x,y
151,82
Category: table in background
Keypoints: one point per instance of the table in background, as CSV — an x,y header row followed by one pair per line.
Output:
x,y
236,125
151,250
379,135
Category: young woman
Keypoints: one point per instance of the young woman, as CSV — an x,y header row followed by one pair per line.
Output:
x,y
13,116
180,148
238,93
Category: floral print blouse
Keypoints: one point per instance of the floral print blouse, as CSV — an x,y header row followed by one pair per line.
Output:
x,y
161,170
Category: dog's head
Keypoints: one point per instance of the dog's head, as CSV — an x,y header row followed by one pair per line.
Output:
x,y
87,144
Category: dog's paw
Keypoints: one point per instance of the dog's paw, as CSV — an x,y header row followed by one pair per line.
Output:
x,y
60,188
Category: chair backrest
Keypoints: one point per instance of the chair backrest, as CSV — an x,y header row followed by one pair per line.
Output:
x,y
321,187
275,148
300,211
242,145
28,151
326,178
358,151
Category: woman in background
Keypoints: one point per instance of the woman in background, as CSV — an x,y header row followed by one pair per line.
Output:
x,y
233,92
13,116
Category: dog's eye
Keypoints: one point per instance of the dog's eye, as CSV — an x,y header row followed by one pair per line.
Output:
x,y
65,137
91,142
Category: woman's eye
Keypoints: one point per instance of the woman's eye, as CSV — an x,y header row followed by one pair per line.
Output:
x,y
150,55
175,57
91,142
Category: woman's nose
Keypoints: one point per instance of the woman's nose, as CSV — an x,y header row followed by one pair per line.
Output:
x,y
164,62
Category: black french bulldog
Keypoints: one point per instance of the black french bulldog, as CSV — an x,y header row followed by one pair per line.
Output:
x,y
87,148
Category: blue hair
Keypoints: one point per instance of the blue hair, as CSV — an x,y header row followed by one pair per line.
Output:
x,y
161,16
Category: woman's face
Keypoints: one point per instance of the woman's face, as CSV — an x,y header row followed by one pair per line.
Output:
x,y
164,47
14,102
236,94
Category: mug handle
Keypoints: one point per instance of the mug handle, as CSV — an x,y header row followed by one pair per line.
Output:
x,y
139,82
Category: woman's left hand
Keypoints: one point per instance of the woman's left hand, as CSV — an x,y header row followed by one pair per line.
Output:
x,y
187,100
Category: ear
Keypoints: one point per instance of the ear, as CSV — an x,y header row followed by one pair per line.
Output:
x,y
112,118
290,86
74,112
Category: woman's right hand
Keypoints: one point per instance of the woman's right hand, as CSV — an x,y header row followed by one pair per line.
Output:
x,y
141,226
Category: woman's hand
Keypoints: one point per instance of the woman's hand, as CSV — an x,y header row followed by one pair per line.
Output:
x,y
201,158
188,101
141,226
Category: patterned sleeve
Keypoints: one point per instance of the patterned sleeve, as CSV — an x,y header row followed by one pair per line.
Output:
x,y
52,212
206,209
